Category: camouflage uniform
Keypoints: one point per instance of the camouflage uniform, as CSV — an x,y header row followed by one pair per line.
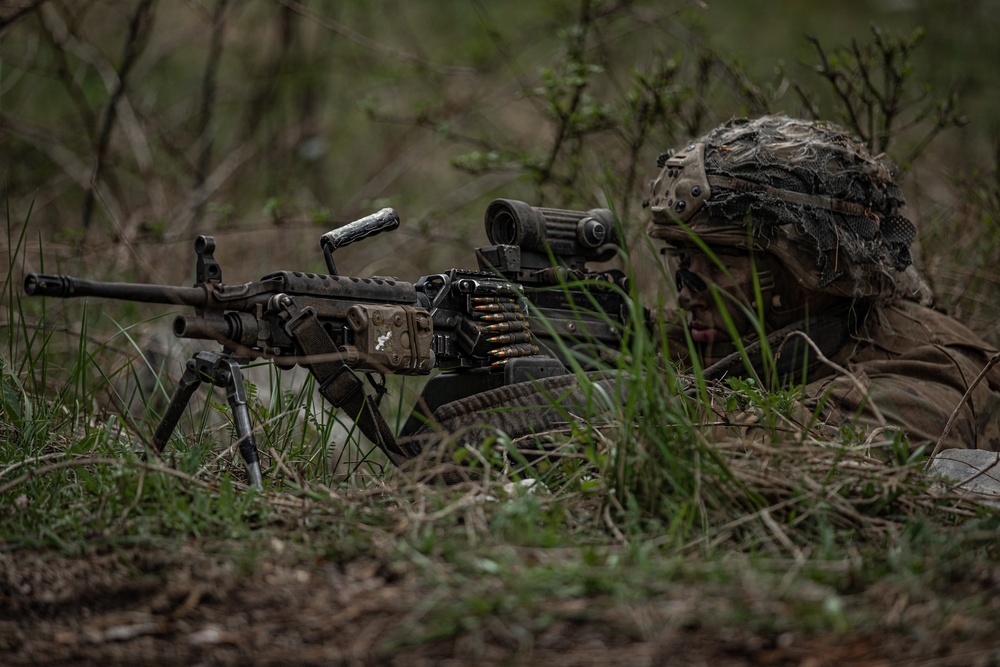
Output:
x,y
915,370
812,198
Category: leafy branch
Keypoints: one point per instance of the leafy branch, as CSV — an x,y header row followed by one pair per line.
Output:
x,y
871,85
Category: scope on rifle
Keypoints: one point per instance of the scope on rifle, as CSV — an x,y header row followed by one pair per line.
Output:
x,y
575,236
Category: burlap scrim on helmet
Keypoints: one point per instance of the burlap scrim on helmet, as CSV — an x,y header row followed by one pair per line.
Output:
x,y
804,181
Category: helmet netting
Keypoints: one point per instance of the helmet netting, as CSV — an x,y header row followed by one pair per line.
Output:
x,y
812,159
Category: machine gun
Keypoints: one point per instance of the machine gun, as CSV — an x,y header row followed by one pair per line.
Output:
x,y
530,303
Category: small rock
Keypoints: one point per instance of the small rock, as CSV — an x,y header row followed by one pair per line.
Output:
x,y
958,465
210,634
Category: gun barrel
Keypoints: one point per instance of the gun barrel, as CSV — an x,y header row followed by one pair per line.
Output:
x,y
65,287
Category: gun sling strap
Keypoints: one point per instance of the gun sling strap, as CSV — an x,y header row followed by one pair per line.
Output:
x,y
338,383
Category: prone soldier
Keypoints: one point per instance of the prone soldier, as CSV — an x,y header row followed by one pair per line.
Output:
x,y
782,229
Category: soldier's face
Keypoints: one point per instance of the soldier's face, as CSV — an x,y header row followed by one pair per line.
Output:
x,y
712,289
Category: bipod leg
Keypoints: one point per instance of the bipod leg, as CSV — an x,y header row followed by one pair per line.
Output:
x,y
222,371
236,392
190,381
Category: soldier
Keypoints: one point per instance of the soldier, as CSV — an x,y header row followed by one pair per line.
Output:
x,y
792,266
782,229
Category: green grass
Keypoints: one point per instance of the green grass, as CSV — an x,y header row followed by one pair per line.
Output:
x,y
640,504
665,524
641,512
635,506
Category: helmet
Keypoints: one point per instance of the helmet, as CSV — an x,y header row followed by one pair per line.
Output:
x,y
803,191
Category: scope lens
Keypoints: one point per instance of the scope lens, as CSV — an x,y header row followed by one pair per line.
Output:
x,y
504,229
591,232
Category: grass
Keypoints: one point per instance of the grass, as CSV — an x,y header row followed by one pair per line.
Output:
x,y
776,532
659,515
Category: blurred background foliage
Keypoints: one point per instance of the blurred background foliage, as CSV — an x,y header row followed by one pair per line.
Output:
x,y
127,127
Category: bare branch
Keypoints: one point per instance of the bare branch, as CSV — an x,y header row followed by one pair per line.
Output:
x,y
367,42
18,14
138,28
208,91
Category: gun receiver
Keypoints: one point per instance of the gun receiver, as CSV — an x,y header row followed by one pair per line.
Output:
x,y
505,322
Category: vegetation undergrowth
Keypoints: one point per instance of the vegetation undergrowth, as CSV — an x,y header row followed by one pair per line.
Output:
x,y
650,500
632,503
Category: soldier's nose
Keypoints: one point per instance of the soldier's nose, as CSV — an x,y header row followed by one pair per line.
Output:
x,y
686,297
689,285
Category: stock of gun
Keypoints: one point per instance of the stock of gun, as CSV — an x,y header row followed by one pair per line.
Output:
x,y
531,298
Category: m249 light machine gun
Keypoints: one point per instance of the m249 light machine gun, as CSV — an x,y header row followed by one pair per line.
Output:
x,y
506,322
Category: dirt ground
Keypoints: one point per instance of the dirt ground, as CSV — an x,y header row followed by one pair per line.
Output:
x,y
136,606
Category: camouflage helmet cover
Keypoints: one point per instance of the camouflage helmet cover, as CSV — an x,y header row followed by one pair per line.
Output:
x,y
803,191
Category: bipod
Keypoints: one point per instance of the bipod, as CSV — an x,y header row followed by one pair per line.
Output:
x,y
221,370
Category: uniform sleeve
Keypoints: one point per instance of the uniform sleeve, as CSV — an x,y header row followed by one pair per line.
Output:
x,y
917,393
